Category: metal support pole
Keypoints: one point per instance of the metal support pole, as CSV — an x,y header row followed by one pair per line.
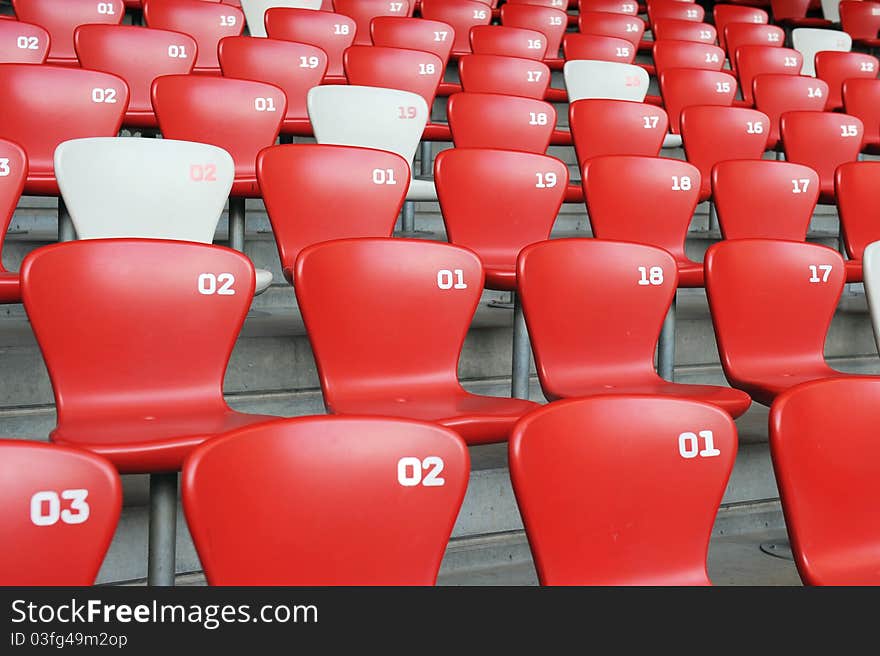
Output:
x,y
519,383
65,223
236,223
408,221
426,155
666,344
163,529
713,217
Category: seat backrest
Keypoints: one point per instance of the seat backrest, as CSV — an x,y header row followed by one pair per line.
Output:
x,y
509,41
611,6
550,21
556,4
137,343
737,35
60,19
356,294
330,32
861,20
855,185
787,9
370,117
23,43
838,67
496,202
594,46
326,491
109,48
686,54
293,67
616,127
13,173
363,11
60,510
771,303
248,119
648,200
823,464
609,339
809,41
776,93
631,28
676,10
685,87
433,36
823,141
680,30
417,71
255,11
753,60
151,188
45,105
712,134
491,120
206,22
724,15
513,76
861,98
585,78
462,15
592,481
764,199
316,192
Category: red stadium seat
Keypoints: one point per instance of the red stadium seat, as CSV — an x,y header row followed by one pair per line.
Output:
x,y
686,54
861,20
60,19
109,48
582,352
548,20
395,32
855,186
23,43
764,199
616,127
13,173
648,200
512,76
838,67
737,35
315,193
330,32
594,46
776,94
861,98
793,13
771,303
676,10
462,15
490,120
752,61
363,11
321,487
724,15
823,141
508,41
293,67
592,481
628,7
60,510
255,11
679,30
685,87
355,294
713,134
824,467
631,28
206,22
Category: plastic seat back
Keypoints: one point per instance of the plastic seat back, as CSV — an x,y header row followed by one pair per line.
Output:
x,y
330,32
433,36
676,10
23,43
823,141
45,105
513,76
616,127
315,193
354,297
861,98
363,11
169,340
594,46
60,19
824,470
631,28
764,199
365,501
416,71
612,337
680,30
788,290
462,15
686,54
101,181
206,22
255,12
861,20
737,35
508,41
109,48
611,80
686,87
754,60
776,94
855,184
550,21
789,10
838,67
490,120
60,510
809,41
591,478
610,6
724,15
713,134
248,120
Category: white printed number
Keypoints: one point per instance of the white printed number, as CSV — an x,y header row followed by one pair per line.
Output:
x,y
454,279
103,95
440,36
308,62
705,35
537,118
534,76
867,67
177,52
622,52
849,131
791,62
632,27
712,58
722,87
384,177
754,127
480,14
545,180
409,471
651,122
264,104
227,21
652,276
426,69
4,167
556,20
535,44
800,185
773,37
689,445
815,269
220,284
682,183
341,28
395,7
28,43
46,507
814,92
106,9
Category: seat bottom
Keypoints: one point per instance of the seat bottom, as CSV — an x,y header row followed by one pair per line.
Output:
x,y
764,388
